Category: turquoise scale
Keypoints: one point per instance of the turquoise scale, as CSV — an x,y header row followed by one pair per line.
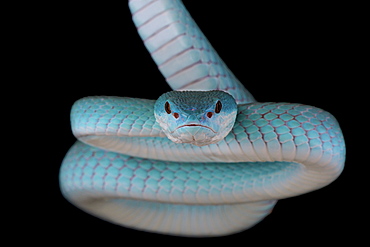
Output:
x,y
123,169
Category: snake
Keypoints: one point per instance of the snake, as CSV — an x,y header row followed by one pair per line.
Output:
x,y
203,160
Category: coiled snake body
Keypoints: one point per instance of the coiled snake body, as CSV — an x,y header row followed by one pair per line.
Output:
x,y
125,170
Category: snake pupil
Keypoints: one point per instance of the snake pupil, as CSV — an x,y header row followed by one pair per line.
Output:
x,y
167,107
218,107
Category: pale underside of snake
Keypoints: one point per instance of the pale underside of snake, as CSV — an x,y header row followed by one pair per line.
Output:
x,y
125,170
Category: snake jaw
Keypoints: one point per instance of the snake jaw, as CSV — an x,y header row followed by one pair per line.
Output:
x,y
194,125
193,133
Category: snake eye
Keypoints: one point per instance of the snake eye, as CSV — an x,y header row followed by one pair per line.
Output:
x,y
167,107
218,107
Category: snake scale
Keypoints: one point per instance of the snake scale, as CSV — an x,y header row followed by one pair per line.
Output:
x,y
125,170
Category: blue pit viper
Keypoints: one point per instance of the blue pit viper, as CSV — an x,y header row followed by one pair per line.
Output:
x,y
203,160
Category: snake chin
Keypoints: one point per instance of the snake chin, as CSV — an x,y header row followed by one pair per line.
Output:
x,y
196,125
198,135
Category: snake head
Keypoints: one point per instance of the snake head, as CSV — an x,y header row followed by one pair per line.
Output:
x,y
196,117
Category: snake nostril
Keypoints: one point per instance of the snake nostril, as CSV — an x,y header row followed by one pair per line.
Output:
x,y
209,114
176,115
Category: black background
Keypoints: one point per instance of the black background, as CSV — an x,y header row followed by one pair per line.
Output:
x,y
300,53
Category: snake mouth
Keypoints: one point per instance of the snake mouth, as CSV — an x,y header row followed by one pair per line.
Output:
x,y
195,125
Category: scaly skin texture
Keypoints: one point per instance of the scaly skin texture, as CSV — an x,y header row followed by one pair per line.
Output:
x,y
306,138
125,170
196,117
183,54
